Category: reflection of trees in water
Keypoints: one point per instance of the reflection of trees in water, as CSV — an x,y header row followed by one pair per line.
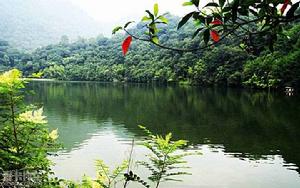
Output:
x,y
253,124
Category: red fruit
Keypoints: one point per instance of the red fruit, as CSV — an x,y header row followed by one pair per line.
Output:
x,y
214,35
126,44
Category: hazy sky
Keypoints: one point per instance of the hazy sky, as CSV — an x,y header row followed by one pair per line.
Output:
x,y
114,11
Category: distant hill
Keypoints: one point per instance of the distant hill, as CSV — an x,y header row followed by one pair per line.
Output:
x,y
29,24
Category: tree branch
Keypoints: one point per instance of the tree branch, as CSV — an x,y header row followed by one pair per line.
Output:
x,y
180,49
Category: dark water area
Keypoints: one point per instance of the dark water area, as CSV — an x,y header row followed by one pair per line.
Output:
x,y
248,138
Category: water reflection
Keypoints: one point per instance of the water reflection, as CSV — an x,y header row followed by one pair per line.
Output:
x,y
257,133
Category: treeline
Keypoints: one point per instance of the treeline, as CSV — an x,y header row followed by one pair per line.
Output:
x,y
101,59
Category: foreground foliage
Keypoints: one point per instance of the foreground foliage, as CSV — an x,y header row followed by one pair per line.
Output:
x,y
25,140
220,19
165,160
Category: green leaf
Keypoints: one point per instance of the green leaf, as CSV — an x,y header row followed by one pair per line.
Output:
x,y
221,2
197,23
292,10
185,19
201,19
243,11
163,19
155,9
153,28
206,36
196,15
187,3
253,12
197,31
271,46
195,2
116,29
37,75
208,20
227,10
119,169
211,5
234,10
145,18
151,31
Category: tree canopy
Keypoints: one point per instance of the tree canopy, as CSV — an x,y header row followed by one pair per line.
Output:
x,y
245,20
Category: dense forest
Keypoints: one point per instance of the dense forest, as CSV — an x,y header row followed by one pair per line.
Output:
x,y
101,59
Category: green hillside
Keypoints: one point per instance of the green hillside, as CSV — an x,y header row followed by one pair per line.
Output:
x,y
33,23
101,59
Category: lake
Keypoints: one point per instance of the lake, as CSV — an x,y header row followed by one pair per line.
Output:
x,y
247,138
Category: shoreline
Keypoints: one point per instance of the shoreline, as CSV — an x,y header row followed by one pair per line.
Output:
x,y
40,79
166,84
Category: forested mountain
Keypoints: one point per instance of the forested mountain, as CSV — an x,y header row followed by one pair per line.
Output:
x,y
227,63
33,23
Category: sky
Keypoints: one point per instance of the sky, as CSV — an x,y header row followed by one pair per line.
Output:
x,y
120,11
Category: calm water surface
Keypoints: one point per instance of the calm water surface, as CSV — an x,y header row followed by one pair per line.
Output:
x,y
248,139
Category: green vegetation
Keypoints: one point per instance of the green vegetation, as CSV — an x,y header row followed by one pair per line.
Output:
x,y
105,178
164,160
256,19
101,59
25,139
